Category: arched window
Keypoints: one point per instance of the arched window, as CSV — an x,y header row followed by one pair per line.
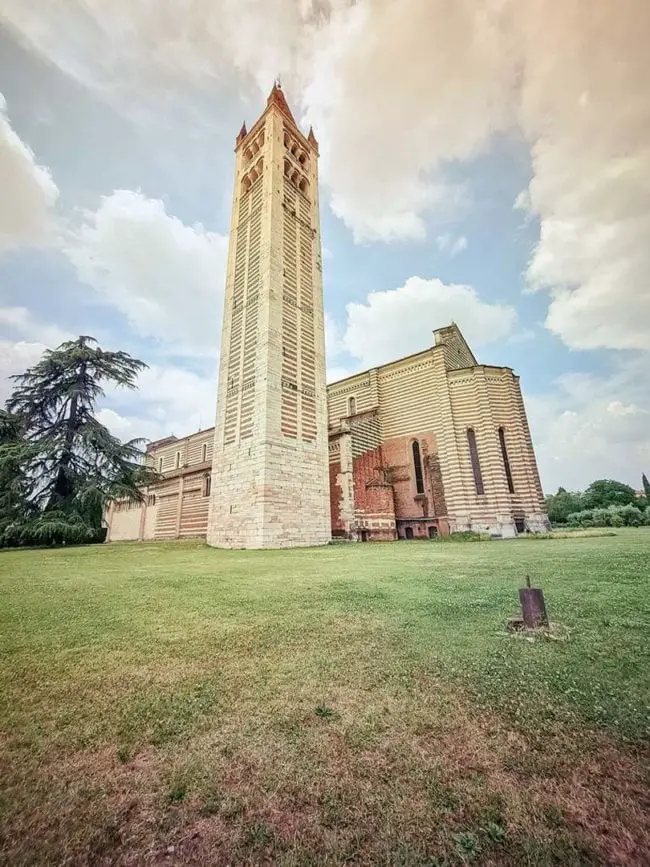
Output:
x,y
476,464
204,452
178,459
207,485
352,406
506,462
160,465
417,466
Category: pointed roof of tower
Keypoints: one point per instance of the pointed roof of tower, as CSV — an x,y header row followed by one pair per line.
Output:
x,y
243,132
276,97
311,138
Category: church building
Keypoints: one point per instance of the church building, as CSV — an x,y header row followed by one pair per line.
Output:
x,y
426,445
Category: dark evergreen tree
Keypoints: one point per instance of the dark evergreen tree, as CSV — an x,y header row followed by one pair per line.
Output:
x,y
15,456
76,465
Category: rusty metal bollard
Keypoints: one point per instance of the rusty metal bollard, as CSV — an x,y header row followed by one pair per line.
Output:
x,y
533,606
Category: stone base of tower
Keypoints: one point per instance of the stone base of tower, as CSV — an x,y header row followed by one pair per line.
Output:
x,y
269,496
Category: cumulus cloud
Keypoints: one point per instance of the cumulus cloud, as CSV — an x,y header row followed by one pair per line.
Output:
x,y
588,119
165,277
20,322
168,400
28,192
23,340
400,321
593,427
16,357
398,91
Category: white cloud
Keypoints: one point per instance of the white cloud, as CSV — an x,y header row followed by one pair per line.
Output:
x,y
617,407
27,191
401,321
458,246
165,277
337,371
20,322
168,400
396,97
16,357
23,340
593,427
446,242
588,118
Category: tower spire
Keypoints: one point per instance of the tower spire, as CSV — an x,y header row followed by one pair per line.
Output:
x,y
311,138
276,97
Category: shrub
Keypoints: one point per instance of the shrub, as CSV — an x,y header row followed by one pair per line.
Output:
x,y
612,516
463,536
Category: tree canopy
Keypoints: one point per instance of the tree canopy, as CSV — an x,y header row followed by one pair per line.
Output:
x,y
66,465
608,492
563,504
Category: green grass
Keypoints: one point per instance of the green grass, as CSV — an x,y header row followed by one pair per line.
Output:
x,y
173,703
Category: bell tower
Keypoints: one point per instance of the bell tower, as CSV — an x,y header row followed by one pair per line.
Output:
x,y
270,476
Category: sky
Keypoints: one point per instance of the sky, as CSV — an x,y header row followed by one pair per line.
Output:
x,y
484,161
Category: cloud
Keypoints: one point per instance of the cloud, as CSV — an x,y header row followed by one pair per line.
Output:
x,y
446,242
593,427
588,118
23,340
16,357
398,98
168,400
20,322
400,321
165,277
28,193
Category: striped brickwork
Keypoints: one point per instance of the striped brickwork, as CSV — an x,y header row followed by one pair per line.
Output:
x,y
270,484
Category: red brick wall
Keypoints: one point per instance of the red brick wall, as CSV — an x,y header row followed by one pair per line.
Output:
x,y
366,468
374,498
336,493
398,456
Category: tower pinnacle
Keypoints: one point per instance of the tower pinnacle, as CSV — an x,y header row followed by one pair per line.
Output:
x,y
276,97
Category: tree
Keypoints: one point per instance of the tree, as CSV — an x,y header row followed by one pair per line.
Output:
x,y
646,487
608,492
15,455
563,504
77,465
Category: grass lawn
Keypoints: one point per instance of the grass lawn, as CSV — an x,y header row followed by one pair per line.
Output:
x,y
175,704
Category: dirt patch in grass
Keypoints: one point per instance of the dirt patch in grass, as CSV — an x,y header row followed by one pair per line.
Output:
x,y
433,781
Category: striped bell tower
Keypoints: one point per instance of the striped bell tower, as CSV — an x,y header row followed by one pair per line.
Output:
x,y
270,478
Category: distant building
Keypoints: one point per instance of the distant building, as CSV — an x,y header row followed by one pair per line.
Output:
x,y
429,444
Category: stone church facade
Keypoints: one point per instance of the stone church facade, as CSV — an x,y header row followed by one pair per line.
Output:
x,y
422,446
425,445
